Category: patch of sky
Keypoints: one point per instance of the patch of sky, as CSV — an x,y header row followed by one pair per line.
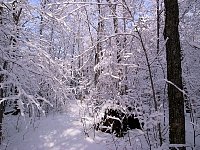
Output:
x,y
34,2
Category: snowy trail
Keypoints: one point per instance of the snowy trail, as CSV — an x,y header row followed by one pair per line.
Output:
x,y
59,132
65,132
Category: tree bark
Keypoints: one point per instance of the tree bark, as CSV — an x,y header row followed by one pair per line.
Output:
x,y
98,52
174,74
158,25
1,90
1,111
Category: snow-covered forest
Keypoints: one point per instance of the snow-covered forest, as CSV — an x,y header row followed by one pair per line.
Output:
x,y
99,74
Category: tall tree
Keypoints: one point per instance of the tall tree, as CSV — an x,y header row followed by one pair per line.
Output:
x,y
3,62
98,51
174,75
1,80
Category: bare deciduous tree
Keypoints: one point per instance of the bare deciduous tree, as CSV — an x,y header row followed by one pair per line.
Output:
x,y
174,75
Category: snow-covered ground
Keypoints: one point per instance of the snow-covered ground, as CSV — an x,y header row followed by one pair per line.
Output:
x,y
53,133
64,132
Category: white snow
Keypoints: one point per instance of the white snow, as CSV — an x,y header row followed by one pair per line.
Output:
x,y
63,132
55,132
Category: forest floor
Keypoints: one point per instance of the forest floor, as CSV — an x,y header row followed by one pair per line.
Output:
x,y
64,132
72,131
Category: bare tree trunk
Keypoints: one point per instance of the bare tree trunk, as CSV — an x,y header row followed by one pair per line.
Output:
x,y
1,113
122,88
1,89
158,50
125,89
1,109
174,74
2,92
158,25
99,44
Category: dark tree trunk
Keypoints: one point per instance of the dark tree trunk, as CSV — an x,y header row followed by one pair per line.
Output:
x,y
1,90
98,51
1,111
174,74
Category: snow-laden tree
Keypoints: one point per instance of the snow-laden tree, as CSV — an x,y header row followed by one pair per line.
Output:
x,y
189,32
33,71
